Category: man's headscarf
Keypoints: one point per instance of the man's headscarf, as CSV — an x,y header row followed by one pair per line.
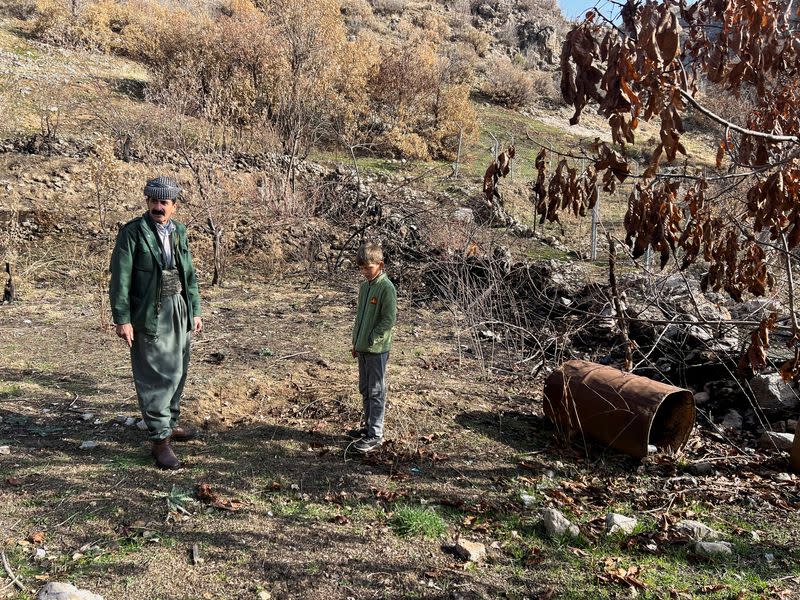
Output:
x,y
162,188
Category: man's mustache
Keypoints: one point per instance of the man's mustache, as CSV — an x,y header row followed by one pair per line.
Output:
x,y
157,211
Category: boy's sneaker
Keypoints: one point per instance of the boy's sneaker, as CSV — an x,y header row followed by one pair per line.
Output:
x,y
367,444
357,434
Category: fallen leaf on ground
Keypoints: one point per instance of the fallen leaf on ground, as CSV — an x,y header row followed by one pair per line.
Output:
x,y
36,537
209,496
339,520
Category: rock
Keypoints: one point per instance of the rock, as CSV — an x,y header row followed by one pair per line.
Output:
x,y
616,522
130,421
141,424
772,439
791,425
697,530
784,477
88,445
556,524
732,420
701,398
755,310
701,468
527,500
713,548
464,215
55,590
471,551
87,416
772,393
6,450
120,419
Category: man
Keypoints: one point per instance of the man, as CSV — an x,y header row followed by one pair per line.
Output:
x,y
155,303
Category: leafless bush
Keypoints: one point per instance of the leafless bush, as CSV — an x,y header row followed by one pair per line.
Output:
x,y
545,87
389,7
508,85
281,202
18,9
490,311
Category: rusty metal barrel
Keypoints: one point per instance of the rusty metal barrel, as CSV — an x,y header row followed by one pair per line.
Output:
x,y
626,412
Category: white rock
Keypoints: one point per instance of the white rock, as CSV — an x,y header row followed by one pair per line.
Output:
x,y
781,441
527,500
772,393
555,523
87,416
471,551
616,522
130,421
5,450
697,530
141,424
732,420
714,548
40,554
464,215
55,590
88,445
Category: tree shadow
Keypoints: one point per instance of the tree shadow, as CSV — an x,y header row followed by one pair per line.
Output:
x,y
73,382
522,432
132,88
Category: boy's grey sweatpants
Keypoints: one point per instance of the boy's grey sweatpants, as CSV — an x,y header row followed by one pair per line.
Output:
x,y
160,364
372,385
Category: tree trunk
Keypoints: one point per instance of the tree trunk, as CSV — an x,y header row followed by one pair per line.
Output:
x,y
216,234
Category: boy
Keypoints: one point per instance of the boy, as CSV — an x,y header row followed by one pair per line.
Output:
x,y
372,340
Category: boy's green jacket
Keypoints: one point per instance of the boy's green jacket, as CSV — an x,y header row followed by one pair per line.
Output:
x,y
136,266
375,316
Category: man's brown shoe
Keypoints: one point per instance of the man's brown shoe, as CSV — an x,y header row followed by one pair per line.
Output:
x,y
183,433
165,457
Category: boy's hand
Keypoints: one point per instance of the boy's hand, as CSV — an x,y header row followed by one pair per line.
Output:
x,y
354,353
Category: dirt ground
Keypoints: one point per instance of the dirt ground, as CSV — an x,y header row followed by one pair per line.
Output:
x,y
273,387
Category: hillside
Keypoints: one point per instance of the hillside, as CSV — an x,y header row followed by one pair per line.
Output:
x,y
272,502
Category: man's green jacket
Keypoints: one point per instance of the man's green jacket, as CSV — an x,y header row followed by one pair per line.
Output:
x,y
136,266
375,316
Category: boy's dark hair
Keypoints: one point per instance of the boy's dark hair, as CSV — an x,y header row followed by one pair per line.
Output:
x,y
369,253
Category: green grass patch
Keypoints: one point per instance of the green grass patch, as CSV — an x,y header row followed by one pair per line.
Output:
x,y
417,521
10,390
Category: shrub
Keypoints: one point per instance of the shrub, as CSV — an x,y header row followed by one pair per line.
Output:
x,y
507,85
416,521
479,40
93,25
545,87
422,100
389,7
18,9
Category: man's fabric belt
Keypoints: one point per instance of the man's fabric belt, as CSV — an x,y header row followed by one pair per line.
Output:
x,y
170,283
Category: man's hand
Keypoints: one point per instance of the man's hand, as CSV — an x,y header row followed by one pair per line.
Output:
x,y
198,324
354,353
125,331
